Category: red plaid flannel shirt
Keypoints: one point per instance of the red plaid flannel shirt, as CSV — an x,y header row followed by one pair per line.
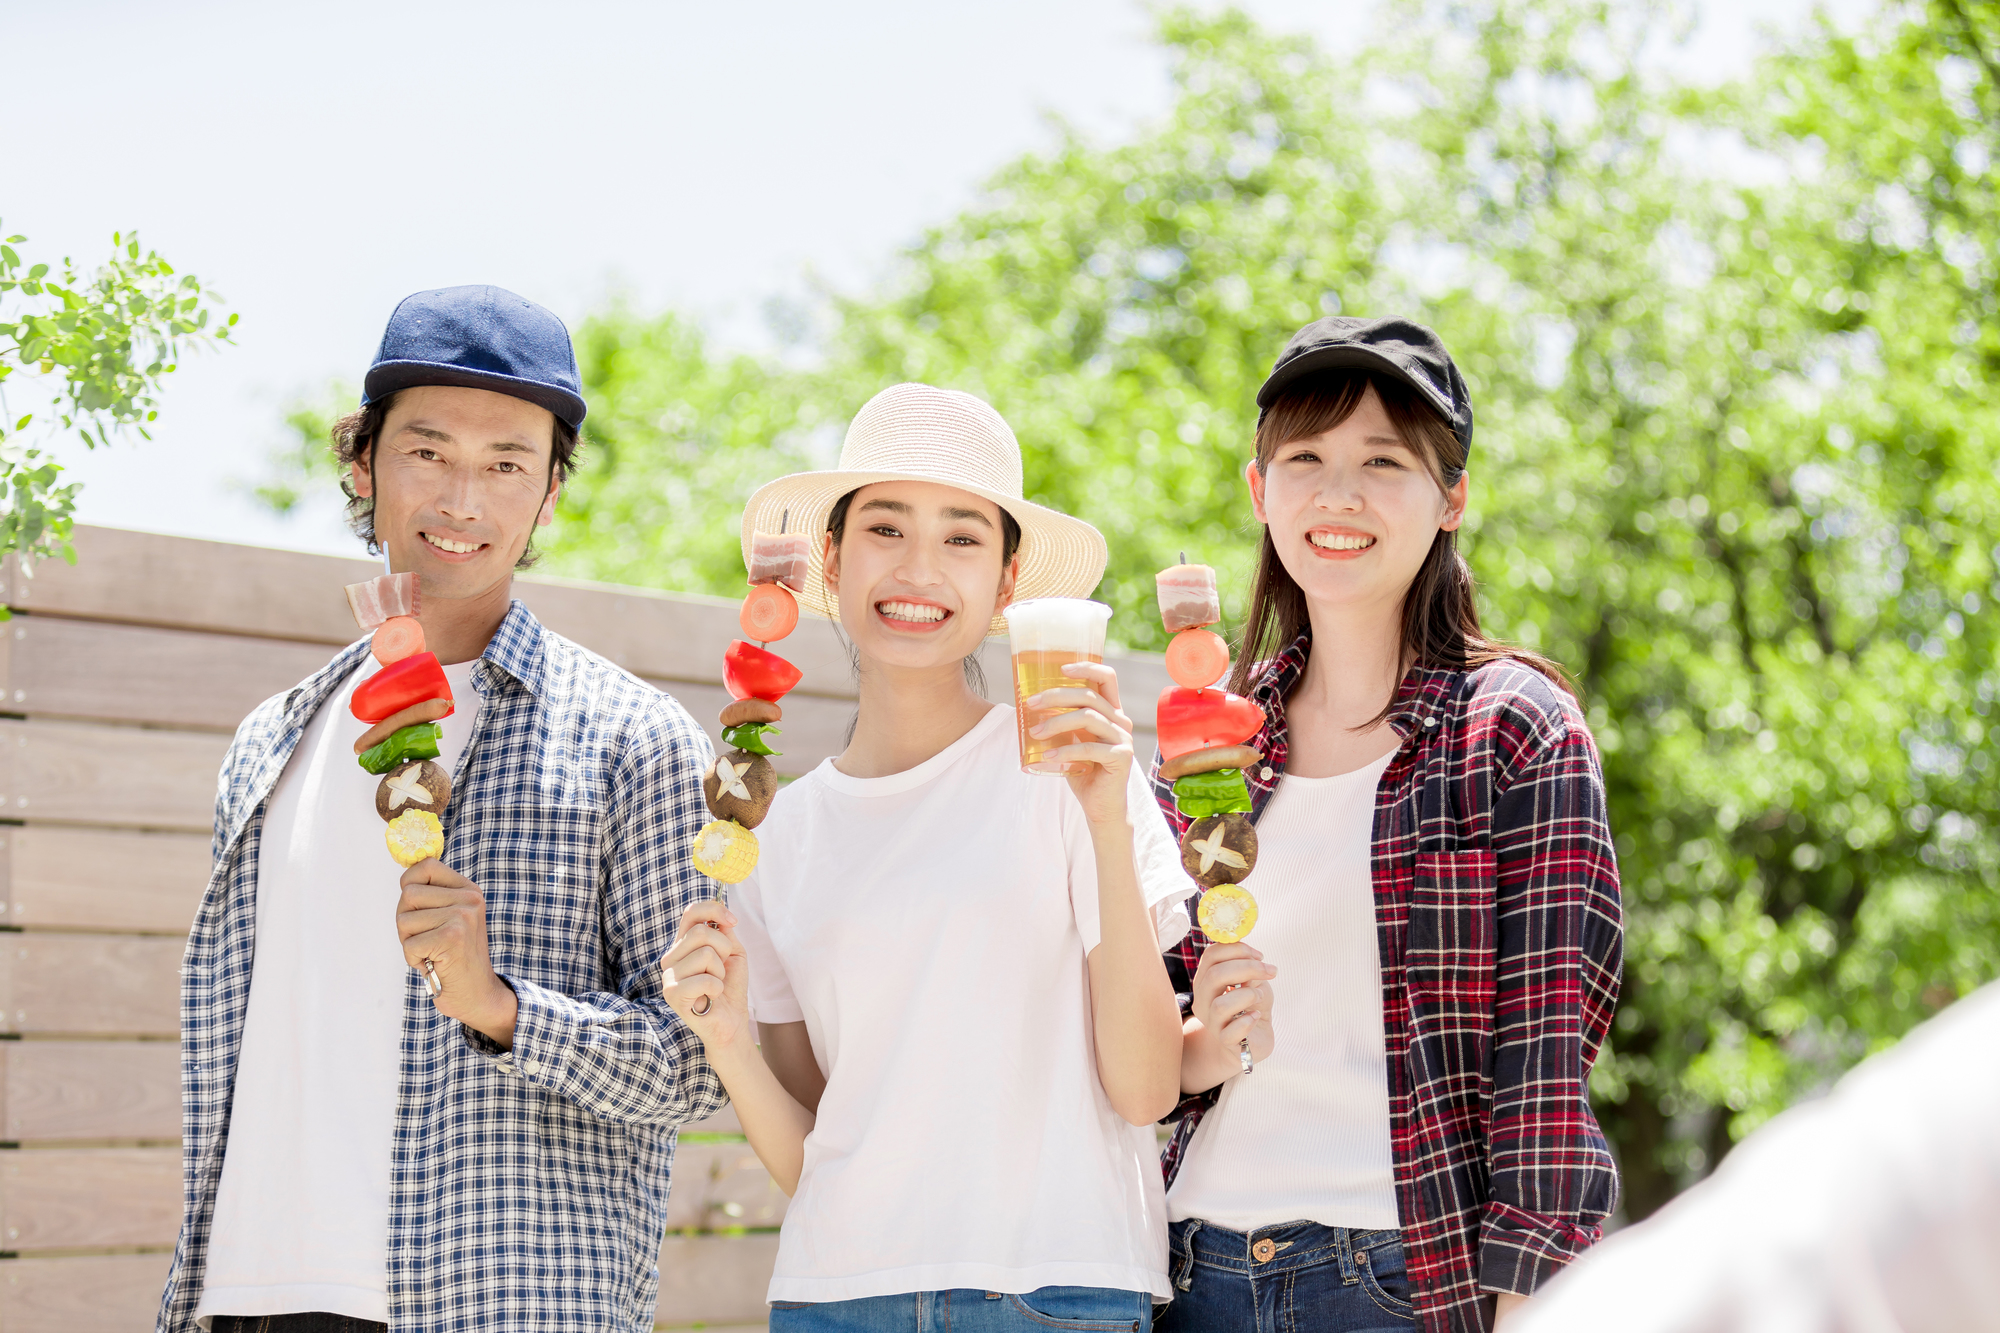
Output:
x,y
1498,921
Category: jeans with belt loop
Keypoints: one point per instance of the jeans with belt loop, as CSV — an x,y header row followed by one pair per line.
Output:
x,y
1294,1277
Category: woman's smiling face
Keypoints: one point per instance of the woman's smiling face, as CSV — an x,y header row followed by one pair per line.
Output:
x,y
919,572
1353,510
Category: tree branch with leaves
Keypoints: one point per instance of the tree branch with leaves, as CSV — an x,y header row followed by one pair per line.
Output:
x,y
99,346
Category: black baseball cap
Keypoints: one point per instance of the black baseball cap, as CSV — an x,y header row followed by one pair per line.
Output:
x,y
1402,348
478,338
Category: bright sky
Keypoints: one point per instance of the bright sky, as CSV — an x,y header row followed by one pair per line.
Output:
x,y
315,163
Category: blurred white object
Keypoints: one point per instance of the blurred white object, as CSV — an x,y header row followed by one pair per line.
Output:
x,y
1873,1210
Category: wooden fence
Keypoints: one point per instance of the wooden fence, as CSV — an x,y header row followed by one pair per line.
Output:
x,y
121,679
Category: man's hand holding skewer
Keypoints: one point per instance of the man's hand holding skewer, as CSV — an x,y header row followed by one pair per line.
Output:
x,y
442,920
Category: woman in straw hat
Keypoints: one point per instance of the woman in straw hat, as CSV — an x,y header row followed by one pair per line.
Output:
x,y
953,966
1437,889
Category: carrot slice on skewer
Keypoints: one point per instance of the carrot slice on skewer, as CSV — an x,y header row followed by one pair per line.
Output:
x,y
1197,658
769,612
396,638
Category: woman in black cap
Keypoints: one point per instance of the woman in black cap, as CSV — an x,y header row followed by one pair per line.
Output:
x,y
1436,883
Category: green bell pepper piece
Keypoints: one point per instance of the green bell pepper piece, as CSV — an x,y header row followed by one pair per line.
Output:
x,y
750,736
419,741
1220,792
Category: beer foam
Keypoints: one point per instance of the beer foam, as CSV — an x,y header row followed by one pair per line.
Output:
x,y
1075,623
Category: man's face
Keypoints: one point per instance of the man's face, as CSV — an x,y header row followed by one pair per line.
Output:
x,y
460,480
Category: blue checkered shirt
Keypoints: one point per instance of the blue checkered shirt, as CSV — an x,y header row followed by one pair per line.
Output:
x,y
528,1187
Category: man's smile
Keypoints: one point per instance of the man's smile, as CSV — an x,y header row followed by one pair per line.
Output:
x,y
451,546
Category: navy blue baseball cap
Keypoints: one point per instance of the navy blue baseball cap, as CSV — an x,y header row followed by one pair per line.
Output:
x,y
1401,348
478,338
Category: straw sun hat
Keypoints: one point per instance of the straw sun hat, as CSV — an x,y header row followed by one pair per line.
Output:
x,y
913,432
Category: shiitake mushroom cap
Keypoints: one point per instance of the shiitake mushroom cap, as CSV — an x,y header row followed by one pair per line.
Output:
x,y
430,776
1238,835
753,772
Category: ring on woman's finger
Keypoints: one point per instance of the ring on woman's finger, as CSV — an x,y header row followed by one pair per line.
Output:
x,y
699,1007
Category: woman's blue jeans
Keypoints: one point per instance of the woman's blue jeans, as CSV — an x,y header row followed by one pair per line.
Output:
x,y
1048,1310
1296,1277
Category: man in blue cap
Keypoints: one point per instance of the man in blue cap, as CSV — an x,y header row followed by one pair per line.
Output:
x,y
366,1149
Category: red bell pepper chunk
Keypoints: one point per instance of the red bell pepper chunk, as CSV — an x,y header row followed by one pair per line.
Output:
x,y
750,672
1190,720
412,680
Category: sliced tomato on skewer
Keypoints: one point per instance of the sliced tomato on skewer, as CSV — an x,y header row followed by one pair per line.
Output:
x,y
396,638
769,612
1197,658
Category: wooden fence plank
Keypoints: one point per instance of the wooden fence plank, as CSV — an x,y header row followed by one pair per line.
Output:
x,y
105,1293
103,879
718,1185
80,773
133,673
83,1198
703,1280
142,578
82,985
716,1279
56,1090
676,636
137,777
178,582
120,1293
181,583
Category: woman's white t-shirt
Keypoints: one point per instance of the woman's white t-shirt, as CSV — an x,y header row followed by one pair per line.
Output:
x,y
1306,1136
931,930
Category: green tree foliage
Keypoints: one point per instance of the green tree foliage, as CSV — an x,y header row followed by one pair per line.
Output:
x,y
1734,354
675,442
1756,514
303,461
108,339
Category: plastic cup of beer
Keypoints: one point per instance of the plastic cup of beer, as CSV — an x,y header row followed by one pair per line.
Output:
x,y
1045,635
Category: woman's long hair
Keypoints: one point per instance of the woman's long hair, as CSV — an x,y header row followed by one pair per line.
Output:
x,y
1441,608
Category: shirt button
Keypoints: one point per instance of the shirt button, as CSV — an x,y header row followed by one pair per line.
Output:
x,y
1263,1250
1431,721
531,1067
1265,773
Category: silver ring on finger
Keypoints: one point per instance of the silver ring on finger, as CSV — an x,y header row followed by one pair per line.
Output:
x,y
700,1006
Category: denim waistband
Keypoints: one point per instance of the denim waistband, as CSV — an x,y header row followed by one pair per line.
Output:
x,y
1289,1245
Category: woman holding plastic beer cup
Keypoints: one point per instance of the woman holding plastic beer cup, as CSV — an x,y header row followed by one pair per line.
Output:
x,y
1437,940
952,962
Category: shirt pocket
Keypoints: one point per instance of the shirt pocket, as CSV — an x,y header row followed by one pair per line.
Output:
x,y
538,867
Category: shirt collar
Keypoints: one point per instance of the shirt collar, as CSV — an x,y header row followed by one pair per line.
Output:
x,y
1420,696
516,648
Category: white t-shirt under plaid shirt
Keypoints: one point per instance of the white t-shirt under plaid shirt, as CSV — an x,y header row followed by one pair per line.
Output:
x,y
932,930
527,1188
302,1209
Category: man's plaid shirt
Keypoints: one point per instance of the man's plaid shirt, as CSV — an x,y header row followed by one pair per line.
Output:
x,y
1498,920
528,1188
